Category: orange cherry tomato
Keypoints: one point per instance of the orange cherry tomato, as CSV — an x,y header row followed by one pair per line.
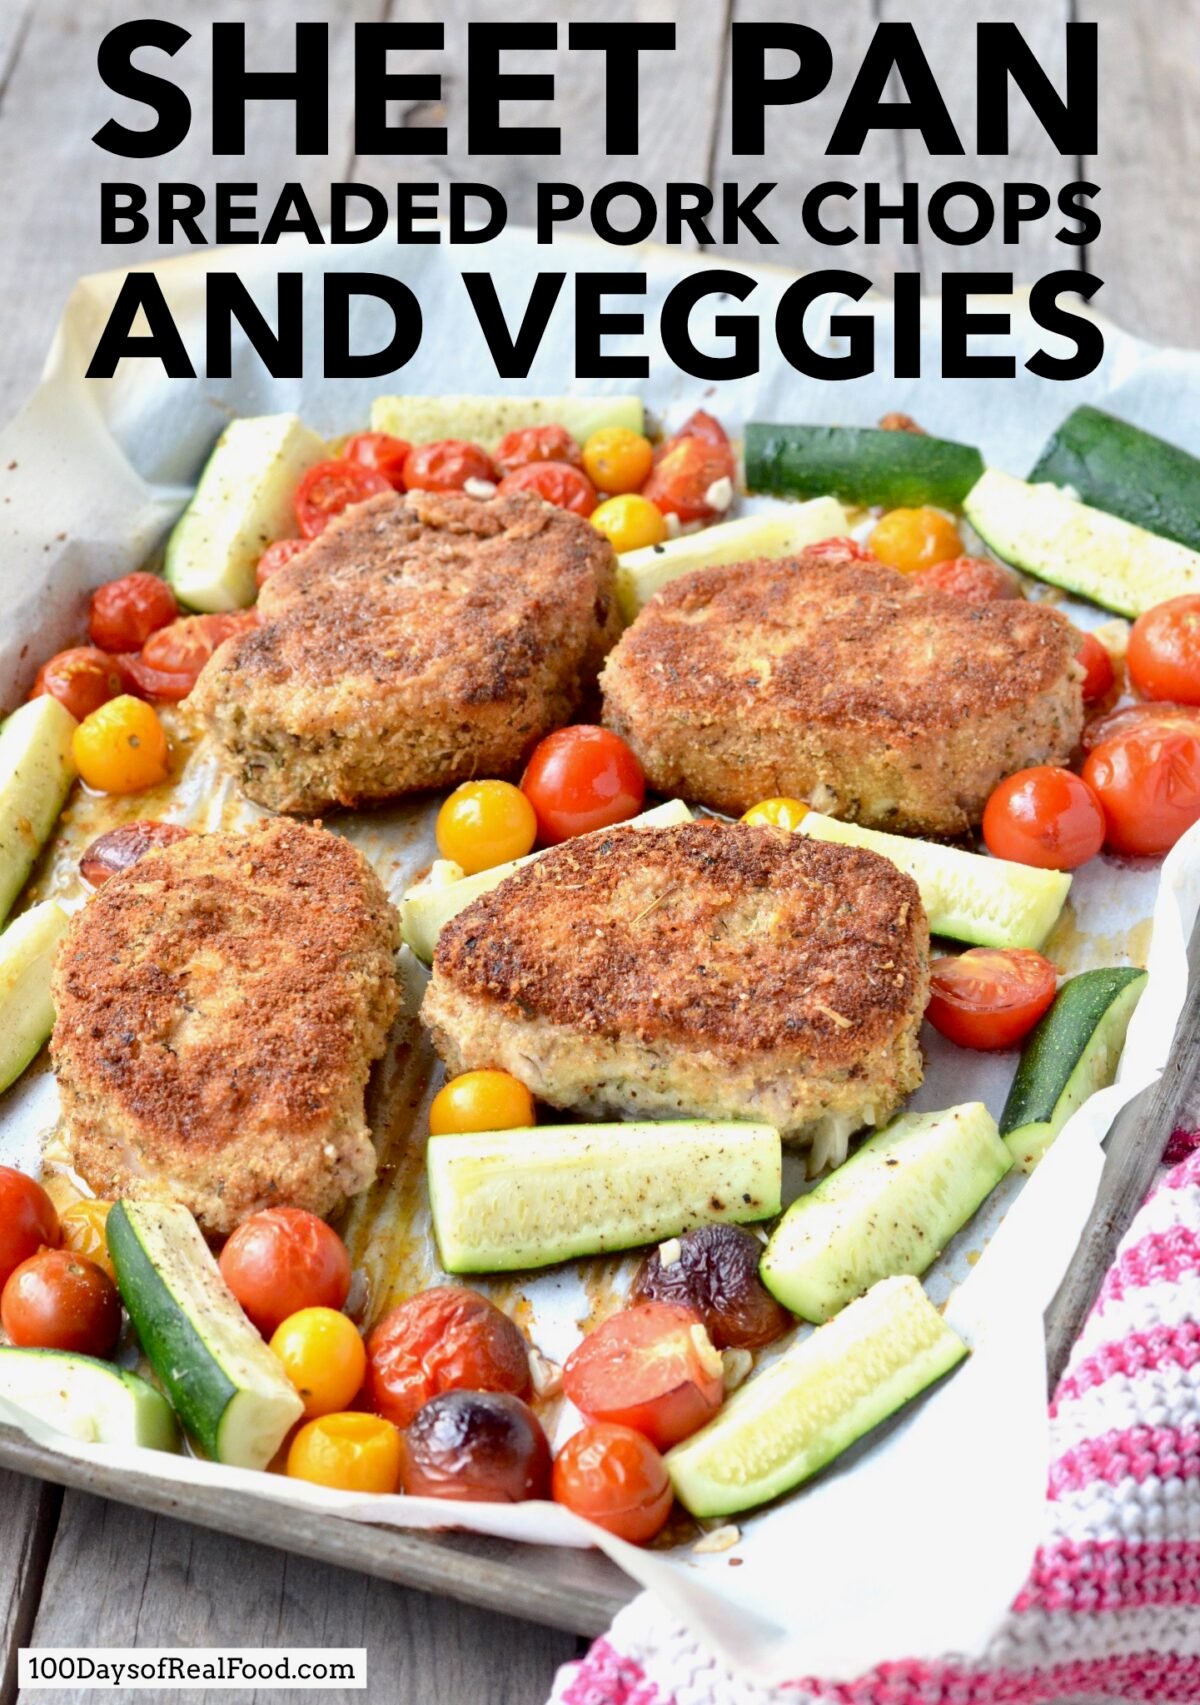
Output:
x,y
122,747
617,460
682,479
275,557
989,998
651,1367
28,1219
1046,817
1098,674
1148,781
1164,651
446,465
483,1445
480,1101
171,659
530,444
582,778
84,1227
328,488
485,823
350,1452
445,1339
976,580
777,813
564,486
382,453
913,539
58,1300
81,679
282,1260
323,1355
614,1477
126,612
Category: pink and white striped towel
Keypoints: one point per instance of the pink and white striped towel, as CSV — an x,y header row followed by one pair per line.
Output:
x,y
1111,1609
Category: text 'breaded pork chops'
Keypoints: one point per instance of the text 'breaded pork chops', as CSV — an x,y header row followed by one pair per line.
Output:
x,y
708,970
218,1007
826,678
420,641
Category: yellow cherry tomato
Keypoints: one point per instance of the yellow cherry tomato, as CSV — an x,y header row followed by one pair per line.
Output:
x,y
350,1452
323,1355
484,823
629,523
616,459
83,1226
913,539
121,748
777,813
480,1101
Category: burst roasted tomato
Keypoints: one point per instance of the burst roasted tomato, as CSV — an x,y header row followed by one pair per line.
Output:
x,y
529,444
81,679
693,477
126,612
1164,651
1046,817
1148,781
119,849
282,1260
1098,673
975,580
564,486
382,453
715,1273
28,1219
446,465
652,1367
171,659
487,1446
989,998
446,1339
580,779
328,488
275,557
614,1477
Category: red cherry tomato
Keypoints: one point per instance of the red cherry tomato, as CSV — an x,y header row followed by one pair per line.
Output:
x,y
381,452
558,482
282,1260
975,580
536,444
681,479
447,1339
118,850
582,778
28,1219
989,998
614,1477
126,612
330,487
58,1300
1129,716
704,426
1164,651
81,679
651,1367
275,557
1045,817
1148,781
847,548
171,659
446,465
1098,673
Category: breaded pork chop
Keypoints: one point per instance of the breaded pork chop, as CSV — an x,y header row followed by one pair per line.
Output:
x,y
707,970
826,678
218,1007
420,641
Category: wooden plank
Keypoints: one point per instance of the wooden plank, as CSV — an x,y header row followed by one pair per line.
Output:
x,y
1149,137
26,1535
122,1577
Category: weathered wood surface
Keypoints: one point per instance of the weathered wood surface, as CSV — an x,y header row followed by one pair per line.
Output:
x,y
118,1575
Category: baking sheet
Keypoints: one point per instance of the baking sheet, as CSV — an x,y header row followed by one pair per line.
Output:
x,y
916,1542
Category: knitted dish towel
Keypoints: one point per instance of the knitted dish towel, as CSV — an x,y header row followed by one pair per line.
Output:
x,y
1111,1609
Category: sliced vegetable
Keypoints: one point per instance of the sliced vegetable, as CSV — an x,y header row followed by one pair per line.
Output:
x,y
891,1208
642,573
820,1397
693,474
987,901
581,779
27,949
513,1199
243,502
486,1446
430,905
1050,535
862,465
1117,467
486,420
651,1367
36,771
90,1400
989,997
226,1386
1074,1051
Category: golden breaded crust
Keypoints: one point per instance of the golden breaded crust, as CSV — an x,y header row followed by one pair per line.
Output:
x,y
838,680
421,640
218,1007
704,969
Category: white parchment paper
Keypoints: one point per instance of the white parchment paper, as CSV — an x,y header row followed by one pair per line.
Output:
x,y
915,1542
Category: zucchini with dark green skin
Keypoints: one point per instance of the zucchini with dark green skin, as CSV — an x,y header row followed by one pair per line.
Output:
x,y
1117,467
864,465
1071,1052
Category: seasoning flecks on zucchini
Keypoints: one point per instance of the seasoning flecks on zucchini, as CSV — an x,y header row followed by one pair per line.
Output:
x,y
1054,537
27,949
486,420
891,1208
36,772
989,902
859,464
228,1389
90,1400
528,1198
1115,466
822,1395
1071,1052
